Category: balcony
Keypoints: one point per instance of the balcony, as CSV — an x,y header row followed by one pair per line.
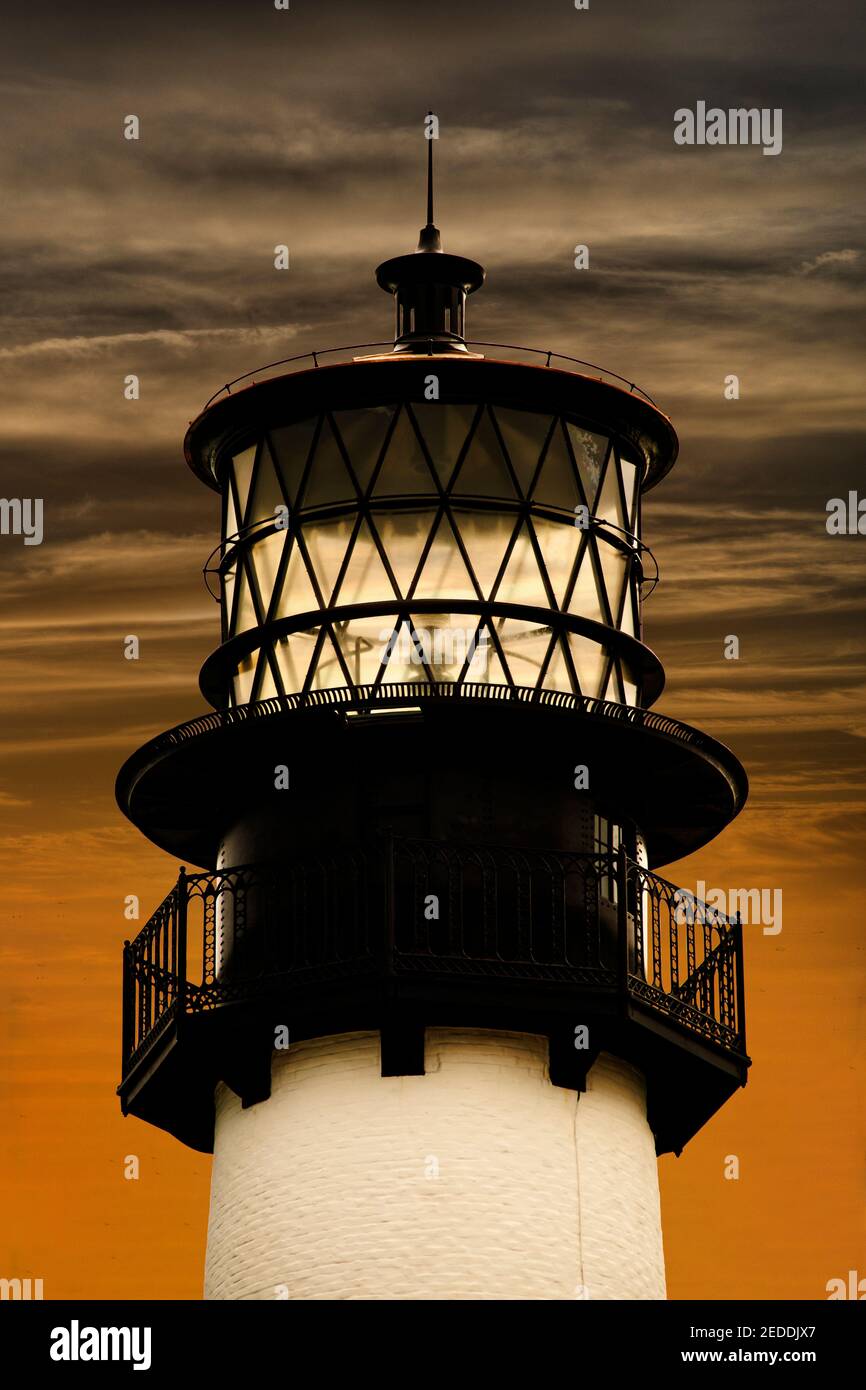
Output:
x,y
401,932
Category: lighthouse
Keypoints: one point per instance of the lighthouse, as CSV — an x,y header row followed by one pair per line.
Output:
x,y
420,985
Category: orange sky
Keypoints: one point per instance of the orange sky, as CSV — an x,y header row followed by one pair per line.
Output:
x,y
156,259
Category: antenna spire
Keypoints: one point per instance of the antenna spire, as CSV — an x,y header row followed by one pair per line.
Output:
x,y
429,178
430,240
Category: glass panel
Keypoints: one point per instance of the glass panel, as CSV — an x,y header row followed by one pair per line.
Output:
x,y
231,525
611,692
522,582
609,505
328,672
261,668
297,594
614,565
556,676
444,574
628,624
228,592
589,452
585,596
405,469
484,472
404,658
629,480
589,662
557,483
523,433
444,428
245,613
403,535
363,434
329,479
265,558
485,668
363,642
366,579
447,640
526,645
485,536
293,655
267,686
291,447
559,543
243,468
243,680
267,495
326,543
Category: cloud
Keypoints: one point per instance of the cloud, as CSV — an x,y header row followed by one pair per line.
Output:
x,y
7,799
830,258
175,341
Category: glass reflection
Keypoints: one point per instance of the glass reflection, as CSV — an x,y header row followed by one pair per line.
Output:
x,y
589,660
243,471
525,644
364,643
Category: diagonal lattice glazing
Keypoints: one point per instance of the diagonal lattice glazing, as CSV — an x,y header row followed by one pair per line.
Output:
x,y
436,516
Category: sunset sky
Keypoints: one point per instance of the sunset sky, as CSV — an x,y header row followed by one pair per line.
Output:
x,y
155,257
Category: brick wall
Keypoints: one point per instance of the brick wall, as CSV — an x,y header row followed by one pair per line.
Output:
x,y
479,1180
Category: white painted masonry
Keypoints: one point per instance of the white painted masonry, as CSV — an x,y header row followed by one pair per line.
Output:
x,y
479,1180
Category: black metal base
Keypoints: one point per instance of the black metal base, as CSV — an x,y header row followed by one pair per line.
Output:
x,y
454,763
172,1084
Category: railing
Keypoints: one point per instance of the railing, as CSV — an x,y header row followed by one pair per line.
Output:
x,y
400,694
398,907
305,359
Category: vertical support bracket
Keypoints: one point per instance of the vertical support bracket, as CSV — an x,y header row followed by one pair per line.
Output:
x,y
741,982
622,940
128,1025
569,1066
402,1042
180,964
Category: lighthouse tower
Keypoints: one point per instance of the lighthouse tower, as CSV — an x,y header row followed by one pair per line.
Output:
x,y
419,986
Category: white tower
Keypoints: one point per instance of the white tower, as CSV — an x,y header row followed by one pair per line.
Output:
x,y
479,1179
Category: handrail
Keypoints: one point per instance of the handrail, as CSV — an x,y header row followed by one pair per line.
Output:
x,y
690,971
313,356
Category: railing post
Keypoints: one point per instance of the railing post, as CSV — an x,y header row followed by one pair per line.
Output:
x,y
622,922
741,982
181,891
127,1044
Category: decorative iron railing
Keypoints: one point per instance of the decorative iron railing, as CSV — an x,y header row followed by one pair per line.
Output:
x,y
303,360
401,907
